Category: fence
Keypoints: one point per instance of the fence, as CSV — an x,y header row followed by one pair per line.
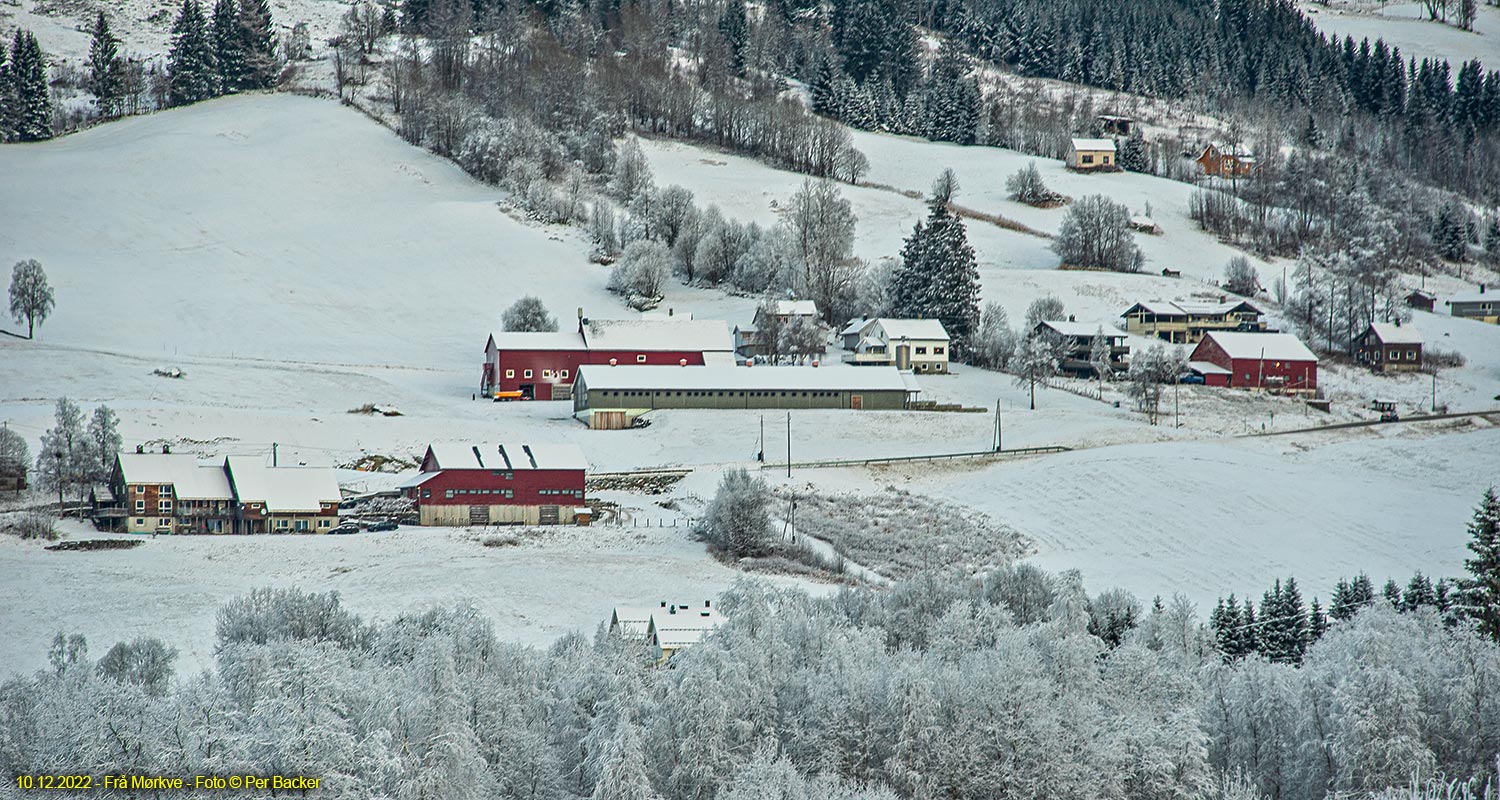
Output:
x,y
862,462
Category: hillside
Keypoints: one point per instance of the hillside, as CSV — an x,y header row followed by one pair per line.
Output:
x,y
1405,25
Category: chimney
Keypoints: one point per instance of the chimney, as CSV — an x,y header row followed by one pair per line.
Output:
x,y
166,449
1223,298
140,448
669,311
706,603
672,610
663,604
1072,318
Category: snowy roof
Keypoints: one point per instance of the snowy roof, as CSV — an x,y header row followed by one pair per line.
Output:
x,y
909,379
1207,368
1275,346
416,480
190,480
687,626
869,342
283,489
655,334
1237,151
508,456
1396,334
913,329
528,340
1183,308
855,326
796,308
595,376
634,622
1081,328
1471,297
1107,145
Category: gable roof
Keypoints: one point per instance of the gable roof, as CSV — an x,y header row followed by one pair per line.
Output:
x,y
190,479
512,456
855,326
687,626
282,489
536,340
796,308
654,377
1471,297
703,335
1183,308
1396,334
1270,346
631,622
912,328
1107,145
1086,329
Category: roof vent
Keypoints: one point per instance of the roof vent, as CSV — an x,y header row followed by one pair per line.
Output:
x,y
140,448
166,449
530,456
663,604
506,456
672,610
478,457
706,603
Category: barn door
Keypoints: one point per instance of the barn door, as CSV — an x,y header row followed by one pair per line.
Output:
x,y
479,515
857,402
548,515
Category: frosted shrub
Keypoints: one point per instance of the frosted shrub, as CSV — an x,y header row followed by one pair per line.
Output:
x,y
738,521
29,526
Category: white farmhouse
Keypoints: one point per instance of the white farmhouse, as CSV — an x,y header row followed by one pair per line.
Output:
x,y
919,345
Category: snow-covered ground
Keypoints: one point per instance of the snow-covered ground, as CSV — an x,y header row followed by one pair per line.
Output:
x,y
296,261
1405,25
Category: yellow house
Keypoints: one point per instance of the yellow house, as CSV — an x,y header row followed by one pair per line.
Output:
x,y
1091,154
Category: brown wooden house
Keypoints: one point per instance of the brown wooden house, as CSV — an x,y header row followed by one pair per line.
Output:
x,y
1226,161
1390,347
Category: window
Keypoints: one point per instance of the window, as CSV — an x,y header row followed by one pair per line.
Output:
x,y
140,505
1411,355
281,523
164,506
937,351
164,521
921,351
448,494
510,373
140,521
526,374
323,523
1394,355
301,525
562,373
922,367
1086,160
546,373
165,488
640,359
138,489
426,492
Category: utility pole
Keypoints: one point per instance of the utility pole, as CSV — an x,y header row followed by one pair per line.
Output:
x,y
1434,391
997,425
1176,414
273,454
760,455
789,444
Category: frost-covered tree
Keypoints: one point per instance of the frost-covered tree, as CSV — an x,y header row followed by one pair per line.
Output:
x,y
995,341
63,462
1047,308
31,298
1240,277
103,444
1035,361
632,173
1149,370
192,69
1026,186
14,454
738,521
528,314
106,68
145,662
820,222
1481,591
642,270
1100,356
622,773
1096,234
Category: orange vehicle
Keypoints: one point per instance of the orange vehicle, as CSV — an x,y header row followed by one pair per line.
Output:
x,y
501,397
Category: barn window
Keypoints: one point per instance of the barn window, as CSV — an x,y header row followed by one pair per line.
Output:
x,y
426,492
526,374
546,373
562,374
510,373
448,494
641,359
1394,356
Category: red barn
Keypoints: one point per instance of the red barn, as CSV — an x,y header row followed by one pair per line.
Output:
x,y
498,484
1275,361
543,366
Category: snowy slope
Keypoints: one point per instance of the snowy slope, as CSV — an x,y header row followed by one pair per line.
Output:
x,y
1405,25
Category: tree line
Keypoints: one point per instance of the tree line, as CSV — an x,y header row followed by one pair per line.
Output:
x,y
1016,683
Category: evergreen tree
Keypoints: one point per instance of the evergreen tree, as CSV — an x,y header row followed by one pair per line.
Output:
x,y
31,99
1317,622
258,45
229,45
192,72
1419,592
106,70
1132,154
7,101
1249,630
1481,592
736,32
1392,592
938,277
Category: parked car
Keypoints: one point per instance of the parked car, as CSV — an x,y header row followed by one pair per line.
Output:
x,y
383,525
1190,379
347,527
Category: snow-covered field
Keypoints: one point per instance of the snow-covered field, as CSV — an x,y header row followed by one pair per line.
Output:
x,y
1405,25
296,261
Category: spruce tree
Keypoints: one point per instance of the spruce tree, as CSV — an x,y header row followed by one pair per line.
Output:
x,y
1481,592
106,70
938,277
736,32
1249,630
1419,592
192,73
1317,622
7,102
1392,592
258,45
229,52
31,99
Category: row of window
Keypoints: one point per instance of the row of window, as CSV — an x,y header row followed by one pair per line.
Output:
x,y
922,351
451,493
301,524
561,374
1395,355
562,492
165,488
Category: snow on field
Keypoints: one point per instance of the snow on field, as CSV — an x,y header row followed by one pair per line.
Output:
x,y
1208,518
1405,25
170,587
144,26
